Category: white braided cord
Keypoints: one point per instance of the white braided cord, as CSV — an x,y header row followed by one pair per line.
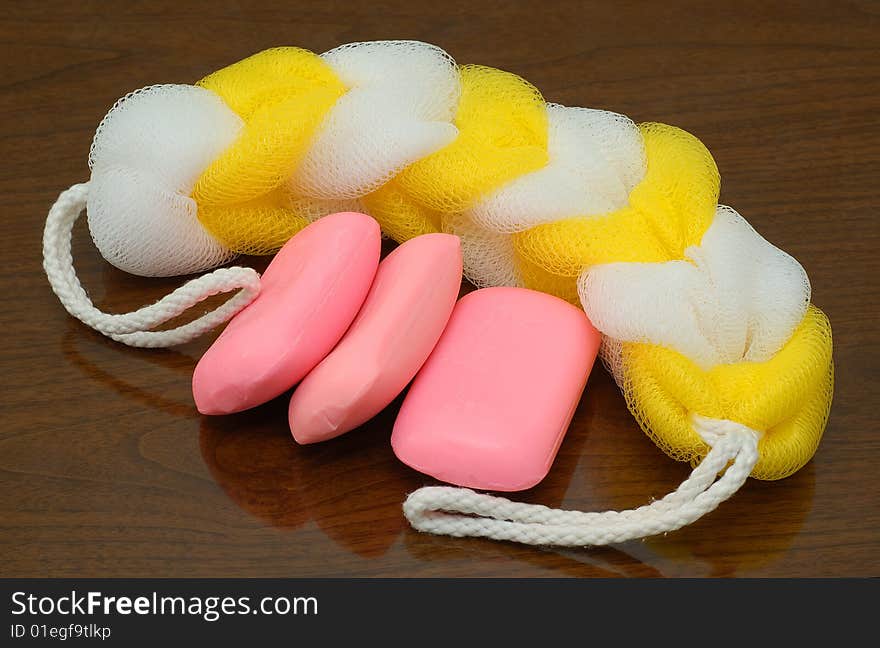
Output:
x,y
461,512
134,329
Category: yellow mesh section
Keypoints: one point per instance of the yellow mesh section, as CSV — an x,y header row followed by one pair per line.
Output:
x,y
537,278
679,193
399,216
273,213
502,123
566,247
668,211
282,95
787,397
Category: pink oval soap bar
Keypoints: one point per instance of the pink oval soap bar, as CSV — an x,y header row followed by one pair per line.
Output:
x,y
408,306
309,295
491,405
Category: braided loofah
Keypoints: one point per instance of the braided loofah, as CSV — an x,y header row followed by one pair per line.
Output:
x,y
701,316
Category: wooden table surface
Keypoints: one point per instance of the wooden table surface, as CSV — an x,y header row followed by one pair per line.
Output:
x,y
107,469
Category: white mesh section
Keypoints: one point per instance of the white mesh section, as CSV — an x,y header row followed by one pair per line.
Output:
x,y
596,158
488,257
399,107
737,297
145,158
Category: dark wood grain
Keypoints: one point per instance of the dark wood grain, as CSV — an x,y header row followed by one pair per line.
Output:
x,y
106,468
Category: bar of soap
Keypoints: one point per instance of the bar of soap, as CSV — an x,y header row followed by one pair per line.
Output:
x,y
402,318
491,405
310,294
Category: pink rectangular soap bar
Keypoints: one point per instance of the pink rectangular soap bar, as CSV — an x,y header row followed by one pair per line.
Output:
x,y
490,407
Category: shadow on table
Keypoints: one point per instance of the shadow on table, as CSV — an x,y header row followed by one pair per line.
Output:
x,y
352,487
90,352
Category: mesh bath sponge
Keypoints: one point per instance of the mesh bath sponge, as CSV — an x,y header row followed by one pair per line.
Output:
x,y
707,328
717,333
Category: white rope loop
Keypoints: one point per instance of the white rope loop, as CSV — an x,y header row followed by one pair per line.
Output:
x,y
461,512
134,329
